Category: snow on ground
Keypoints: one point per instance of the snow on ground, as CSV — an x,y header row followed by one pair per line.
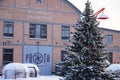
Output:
x,y
52,77
113,67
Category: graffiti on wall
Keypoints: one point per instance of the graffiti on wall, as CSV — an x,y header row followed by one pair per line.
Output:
x,y
37,58
41,56
38,15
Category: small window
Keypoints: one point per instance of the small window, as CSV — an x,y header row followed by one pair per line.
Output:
x,y
7,56
65,34
63,55
38,31
8,29
109,39
38,1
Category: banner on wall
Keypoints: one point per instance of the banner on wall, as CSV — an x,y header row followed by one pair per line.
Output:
x,y
39,55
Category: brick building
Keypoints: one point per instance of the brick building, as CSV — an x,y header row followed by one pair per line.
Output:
x,y
112,42
36,31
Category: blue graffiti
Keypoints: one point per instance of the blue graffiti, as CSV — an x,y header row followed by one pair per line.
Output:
x,y
37,58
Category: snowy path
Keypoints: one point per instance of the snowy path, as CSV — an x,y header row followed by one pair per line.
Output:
x,y
40,78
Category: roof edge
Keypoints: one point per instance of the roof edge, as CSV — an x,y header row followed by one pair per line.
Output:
x,y
73,6
110,30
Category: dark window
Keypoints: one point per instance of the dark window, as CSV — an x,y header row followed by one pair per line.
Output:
x,y
7,56
109,38
38,31
8,29
65,35
110,57
38,1
63,55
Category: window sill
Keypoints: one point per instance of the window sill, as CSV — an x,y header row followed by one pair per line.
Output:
x,y
37,39
66,40
8,37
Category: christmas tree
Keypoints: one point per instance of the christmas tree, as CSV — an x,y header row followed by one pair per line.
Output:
x,y
86,59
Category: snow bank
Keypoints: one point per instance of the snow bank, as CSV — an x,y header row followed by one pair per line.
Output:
x,y
113,67
14,66
52,77
19,70
12,70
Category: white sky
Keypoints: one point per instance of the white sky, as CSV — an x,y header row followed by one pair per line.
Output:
x,y
112,10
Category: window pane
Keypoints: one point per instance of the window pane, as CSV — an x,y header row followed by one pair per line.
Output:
x,y
43,31
32,31
65,32
5,29
8,29
7,56
109,38
38,31
8,50
38,1
63,55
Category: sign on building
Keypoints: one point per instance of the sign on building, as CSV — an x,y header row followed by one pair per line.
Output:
x,y
39,55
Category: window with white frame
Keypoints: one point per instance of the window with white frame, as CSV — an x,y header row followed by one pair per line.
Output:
x,y
7,56
109,38
8,29
38,31
65,33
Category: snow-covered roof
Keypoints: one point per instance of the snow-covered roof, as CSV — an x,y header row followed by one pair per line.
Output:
x,y
15,66
19,70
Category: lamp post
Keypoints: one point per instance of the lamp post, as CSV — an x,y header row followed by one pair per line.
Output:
x,y
38,46
101,16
